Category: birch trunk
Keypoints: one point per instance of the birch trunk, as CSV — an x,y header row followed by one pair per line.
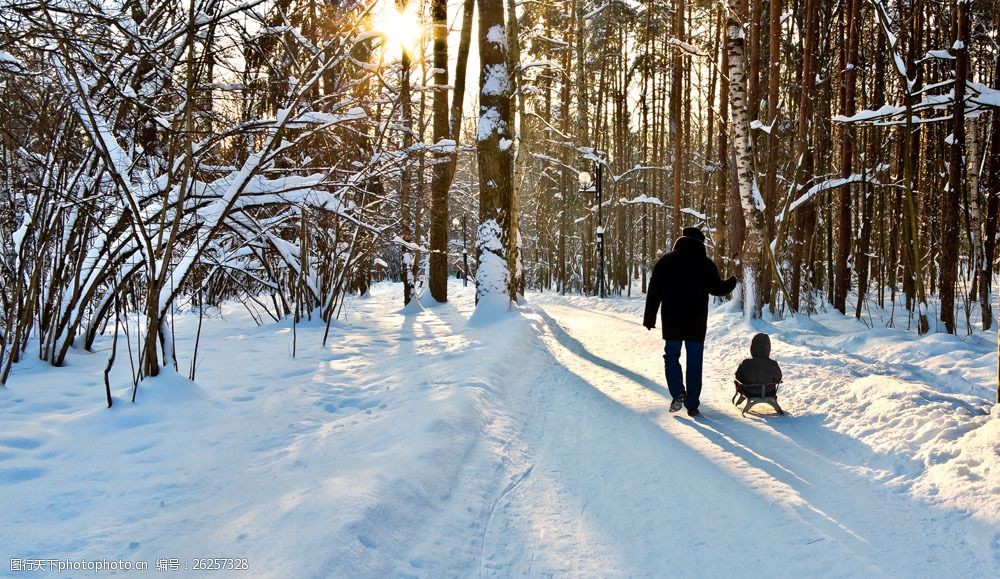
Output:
x,y
751,202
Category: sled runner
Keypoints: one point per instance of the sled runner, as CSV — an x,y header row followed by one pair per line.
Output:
x,y
756,394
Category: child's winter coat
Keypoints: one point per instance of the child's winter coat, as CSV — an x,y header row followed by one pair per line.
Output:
x,y
760,368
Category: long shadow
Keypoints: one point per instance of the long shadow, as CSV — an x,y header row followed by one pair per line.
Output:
x,y
741,428
435,320
759,441
576,347
781,458
793,439
802,463
831,518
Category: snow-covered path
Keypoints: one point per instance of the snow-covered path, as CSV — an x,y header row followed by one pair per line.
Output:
x,y
418,443
610,483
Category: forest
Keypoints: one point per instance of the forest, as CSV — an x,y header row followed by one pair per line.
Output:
x,y
161,156
399,288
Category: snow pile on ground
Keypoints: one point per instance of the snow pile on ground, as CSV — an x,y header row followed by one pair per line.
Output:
x,y
953,452
923,403
326,464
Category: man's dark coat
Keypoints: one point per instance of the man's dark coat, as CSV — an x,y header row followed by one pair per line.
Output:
x,y
679,287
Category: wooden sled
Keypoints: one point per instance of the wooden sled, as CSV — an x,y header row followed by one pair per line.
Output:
x,y
756,394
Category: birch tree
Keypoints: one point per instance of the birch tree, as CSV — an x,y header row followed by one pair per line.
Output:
x,y
750,199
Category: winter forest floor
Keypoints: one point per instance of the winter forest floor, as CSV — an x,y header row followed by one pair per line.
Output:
x,y
417,444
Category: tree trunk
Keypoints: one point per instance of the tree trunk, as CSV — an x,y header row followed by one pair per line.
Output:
x,y
494,139
566,178
956,172
749,196
677,79
865,234
753,80
805,218
437,280
773,80
847,135
725,240
992,207
406,184
974,220
520,138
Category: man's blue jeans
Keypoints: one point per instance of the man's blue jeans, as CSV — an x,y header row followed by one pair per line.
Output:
x,y
675,379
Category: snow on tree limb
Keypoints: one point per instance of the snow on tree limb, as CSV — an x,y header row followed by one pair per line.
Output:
x,y
685,47
979,98
828,185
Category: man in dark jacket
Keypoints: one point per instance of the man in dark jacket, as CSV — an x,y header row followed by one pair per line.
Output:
x,y
679,287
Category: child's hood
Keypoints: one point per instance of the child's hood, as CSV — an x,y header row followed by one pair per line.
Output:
x,y
760,346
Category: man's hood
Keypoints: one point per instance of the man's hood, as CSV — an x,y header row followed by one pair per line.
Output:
x,y
689,245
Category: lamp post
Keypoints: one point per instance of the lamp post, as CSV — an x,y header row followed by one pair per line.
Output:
x,y
465,254
588,184
465,251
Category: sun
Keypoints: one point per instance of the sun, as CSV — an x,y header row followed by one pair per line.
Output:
x,y
401,26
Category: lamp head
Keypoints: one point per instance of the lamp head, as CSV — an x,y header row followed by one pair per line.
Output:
x,y
585,180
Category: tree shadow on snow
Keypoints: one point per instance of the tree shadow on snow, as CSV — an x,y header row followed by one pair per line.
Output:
x,y
804,468
791,453
576,347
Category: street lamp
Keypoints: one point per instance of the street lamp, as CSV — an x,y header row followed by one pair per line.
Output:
x,y
588,184
465,252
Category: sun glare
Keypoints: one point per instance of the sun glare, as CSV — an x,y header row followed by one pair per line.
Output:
x,y
401,27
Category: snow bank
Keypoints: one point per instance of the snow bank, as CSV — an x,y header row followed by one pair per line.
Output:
x,y
333,463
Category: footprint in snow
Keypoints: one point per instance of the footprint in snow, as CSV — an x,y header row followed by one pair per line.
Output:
x,y
358,404
21,442
139,448
295,373
9,476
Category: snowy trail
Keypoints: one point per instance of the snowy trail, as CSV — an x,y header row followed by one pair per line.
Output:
x,y
613,484
417,443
